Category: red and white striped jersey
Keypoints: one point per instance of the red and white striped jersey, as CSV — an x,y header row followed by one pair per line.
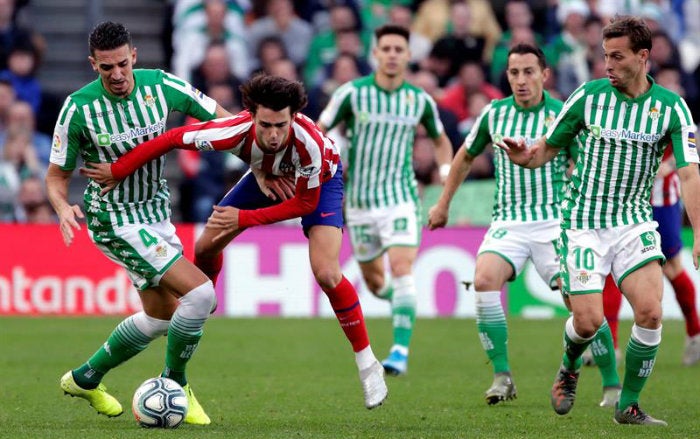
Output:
x,y
308,154
666,190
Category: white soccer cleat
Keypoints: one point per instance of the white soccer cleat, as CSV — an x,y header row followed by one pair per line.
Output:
x,y
373,385
611,396
692,350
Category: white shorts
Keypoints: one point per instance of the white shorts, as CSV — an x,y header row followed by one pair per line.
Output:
x,y
588,256
372,231
516,242
146,251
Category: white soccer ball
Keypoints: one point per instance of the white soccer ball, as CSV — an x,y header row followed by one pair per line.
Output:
x,y
159,403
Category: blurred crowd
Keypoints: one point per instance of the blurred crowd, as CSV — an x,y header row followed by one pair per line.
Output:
x,y
458,48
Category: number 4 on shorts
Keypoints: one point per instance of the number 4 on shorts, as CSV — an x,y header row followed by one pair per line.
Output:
x,y
147,239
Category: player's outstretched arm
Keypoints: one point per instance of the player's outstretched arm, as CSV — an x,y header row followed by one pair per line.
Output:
x,y
528,157
439,213
690,191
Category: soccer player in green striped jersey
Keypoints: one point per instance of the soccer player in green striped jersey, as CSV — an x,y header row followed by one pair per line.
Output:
x,y
622,124
525,214
131,225
381,112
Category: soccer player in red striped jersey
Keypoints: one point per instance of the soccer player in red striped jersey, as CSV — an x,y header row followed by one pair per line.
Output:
x,y
295,172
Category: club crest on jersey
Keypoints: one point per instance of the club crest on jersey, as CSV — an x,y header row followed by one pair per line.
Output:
x,y
497,137
548,120
595,131
149,100
654,113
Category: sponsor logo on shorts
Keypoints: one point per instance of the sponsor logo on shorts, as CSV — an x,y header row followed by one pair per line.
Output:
x,y
648,241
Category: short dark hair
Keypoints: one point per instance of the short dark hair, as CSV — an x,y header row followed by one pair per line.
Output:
x,y
628,26
391,29
108,35
273,92
525,48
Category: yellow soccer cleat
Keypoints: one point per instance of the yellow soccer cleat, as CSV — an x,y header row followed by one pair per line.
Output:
x,y
195,412
99,399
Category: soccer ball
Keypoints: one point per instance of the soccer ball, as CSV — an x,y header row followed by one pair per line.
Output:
x,y
159,403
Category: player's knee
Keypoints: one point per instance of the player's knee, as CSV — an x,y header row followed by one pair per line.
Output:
x,y
200,301
487,281
648,315
327,277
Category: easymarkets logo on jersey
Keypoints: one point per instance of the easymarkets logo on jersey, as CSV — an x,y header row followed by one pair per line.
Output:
x,y
106,139
624,134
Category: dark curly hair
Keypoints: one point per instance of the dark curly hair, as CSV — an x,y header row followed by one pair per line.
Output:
x,y
273,92
108,35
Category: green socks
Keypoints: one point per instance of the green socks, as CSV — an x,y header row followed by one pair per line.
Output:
x,y
603,352
123,343
639,362
493,329
403,309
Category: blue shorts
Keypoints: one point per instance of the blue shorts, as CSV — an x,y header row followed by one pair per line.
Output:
x,y
246,195
669,219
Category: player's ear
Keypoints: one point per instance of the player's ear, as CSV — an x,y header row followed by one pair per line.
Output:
x,y
133,56
93,63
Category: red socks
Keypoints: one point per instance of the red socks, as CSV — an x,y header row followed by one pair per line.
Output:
x,y
685,295
346,305
612,302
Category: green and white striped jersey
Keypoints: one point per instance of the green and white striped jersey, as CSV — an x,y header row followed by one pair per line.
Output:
x,y
381,126
521,194
621,143
101,128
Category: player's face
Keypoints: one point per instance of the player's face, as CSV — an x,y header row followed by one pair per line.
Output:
x,y
392,55
272,128
526,78
623,66
116,69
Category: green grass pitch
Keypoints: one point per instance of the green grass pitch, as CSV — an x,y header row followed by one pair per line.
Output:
x,y
296,378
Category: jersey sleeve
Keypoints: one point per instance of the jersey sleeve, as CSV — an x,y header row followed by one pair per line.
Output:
x,y
68,136
185,98
338,108
682,135
224,134
570,121
479,137
430,118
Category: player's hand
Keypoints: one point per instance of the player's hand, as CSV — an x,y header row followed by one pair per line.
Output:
x,y
67,222
225,219
101,173
437,217
275,187
283,188
517,150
